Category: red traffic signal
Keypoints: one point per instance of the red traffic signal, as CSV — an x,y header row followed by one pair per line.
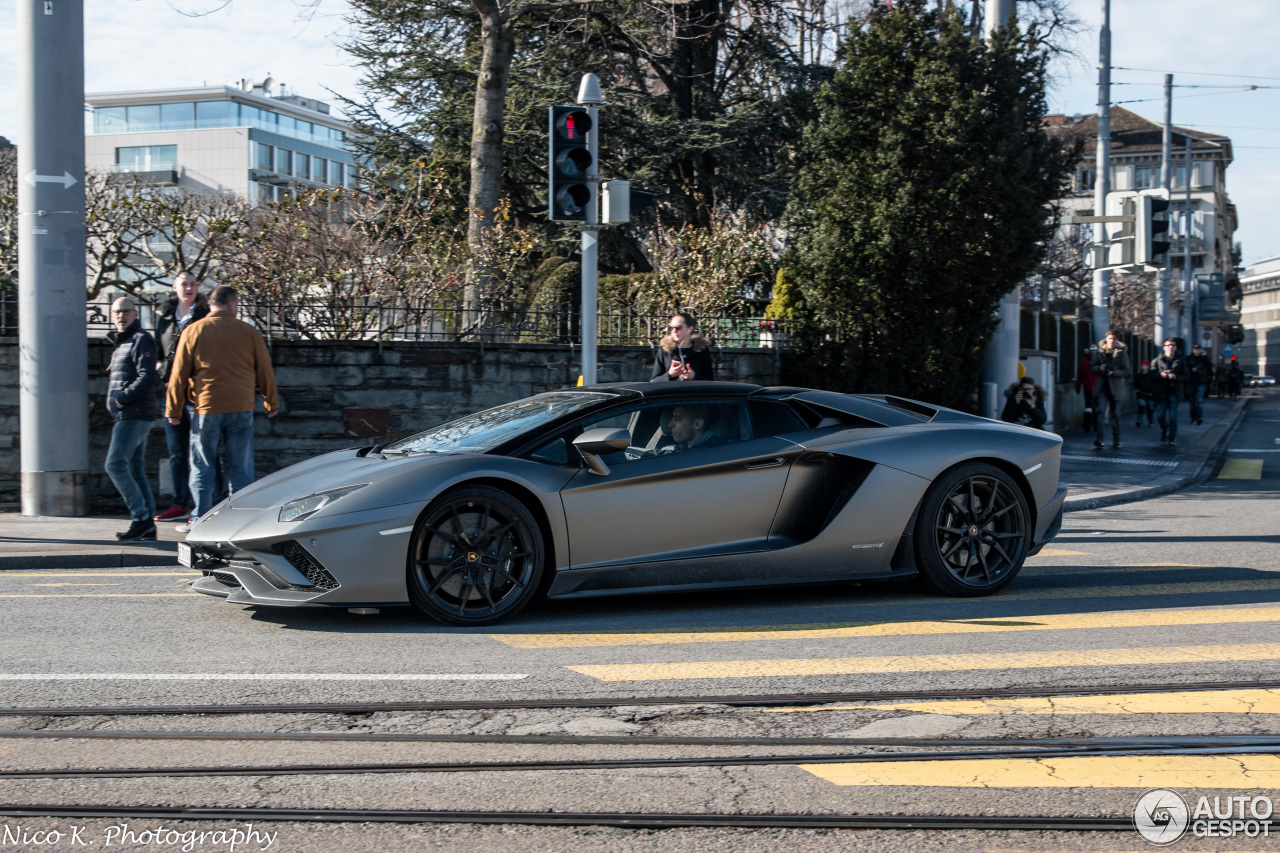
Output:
x,y
570,162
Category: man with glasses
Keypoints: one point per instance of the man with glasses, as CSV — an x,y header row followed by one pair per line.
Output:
x,y
131,400
1170,370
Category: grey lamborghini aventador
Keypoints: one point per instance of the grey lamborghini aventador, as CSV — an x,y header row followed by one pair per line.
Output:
x,y
640,487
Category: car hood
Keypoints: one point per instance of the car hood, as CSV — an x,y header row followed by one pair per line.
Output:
x,y
330,471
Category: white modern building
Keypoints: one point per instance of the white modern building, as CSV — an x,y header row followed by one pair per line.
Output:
x,y
257,140
1260,317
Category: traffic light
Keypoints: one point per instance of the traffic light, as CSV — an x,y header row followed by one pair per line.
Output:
x,y
1235,334
1151,246
570,161
1118,246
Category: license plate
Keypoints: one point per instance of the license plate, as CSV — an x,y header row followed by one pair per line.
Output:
x,y
184,554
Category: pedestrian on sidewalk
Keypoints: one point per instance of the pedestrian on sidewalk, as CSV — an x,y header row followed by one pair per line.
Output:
x,y
682,353
1085,380
1235,378
219,361
1170,369
1199,373
1024,403
185,307
1110,365
1144,387
131,400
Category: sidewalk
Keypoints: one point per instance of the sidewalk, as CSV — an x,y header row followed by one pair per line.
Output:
x,y
1142,468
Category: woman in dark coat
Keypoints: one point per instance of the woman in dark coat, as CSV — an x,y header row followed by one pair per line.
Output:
x,y
683,354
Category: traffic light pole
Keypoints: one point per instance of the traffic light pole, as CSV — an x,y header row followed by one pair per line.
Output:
x,y
589,96
53,351
1166,181
1102,182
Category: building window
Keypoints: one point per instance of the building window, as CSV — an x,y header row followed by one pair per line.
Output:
x,y
266,156
319,169
1085,180
335,173
144,117
147,158
302,166
110,120
1144,177
177,116
215,114
284,161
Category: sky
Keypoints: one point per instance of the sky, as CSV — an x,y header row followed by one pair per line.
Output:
x,y
138,44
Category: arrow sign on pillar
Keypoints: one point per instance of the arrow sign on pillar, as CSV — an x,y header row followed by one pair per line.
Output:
x,y
65,179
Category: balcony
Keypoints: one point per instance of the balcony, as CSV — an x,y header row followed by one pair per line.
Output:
x,y
161,174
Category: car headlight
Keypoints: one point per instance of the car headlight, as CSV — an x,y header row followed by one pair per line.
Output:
x,y
296,510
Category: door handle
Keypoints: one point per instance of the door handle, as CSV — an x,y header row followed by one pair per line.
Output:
x,y
765,463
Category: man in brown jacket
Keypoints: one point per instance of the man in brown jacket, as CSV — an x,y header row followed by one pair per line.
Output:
x,y
219,361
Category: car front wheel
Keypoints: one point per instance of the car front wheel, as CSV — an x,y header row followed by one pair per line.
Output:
x,y
973,531
476,557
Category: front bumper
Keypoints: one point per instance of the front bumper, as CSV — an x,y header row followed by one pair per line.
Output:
x,y
345,560
1049,520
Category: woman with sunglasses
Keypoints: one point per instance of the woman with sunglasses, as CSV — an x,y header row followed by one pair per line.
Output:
x,y
683,354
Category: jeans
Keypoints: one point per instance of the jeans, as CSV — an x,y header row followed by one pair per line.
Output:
x,y
1197,402
1167,414
1146,406
127,467
1107,409
178,439
208,432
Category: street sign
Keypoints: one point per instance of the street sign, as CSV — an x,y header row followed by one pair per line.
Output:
x,y
1227,350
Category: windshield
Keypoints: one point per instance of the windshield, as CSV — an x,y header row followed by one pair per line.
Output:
x,y
486,430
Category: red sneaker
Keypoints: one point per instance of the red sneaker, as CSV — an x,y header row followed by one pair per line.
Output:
x,y
173,513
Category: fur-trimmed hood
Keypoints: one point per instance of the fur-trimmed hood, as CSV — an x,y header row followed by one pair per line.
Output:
x,y
1013,389
1119,347
698,343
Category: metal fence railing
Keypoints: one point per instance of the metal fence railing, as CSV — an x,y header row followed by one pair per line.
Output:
x,y
319,319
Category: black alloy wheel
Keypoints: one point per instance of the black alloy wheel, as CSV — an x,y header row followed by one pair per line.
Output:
x,y
476,557
973,531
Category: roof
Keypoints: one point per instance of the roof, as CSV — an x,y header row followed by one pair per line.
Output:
x,y
1132,134
675,389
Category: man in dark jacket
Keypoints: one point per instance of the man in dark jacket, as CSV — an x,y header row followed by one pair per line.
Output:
x,y
131,400
1199,375
180,312
1170,371
1024,403
1110,365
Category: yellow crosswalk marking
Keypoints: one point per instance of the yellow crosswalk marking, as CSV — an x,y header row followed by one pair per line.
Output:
x,y
927,663
1095,771
1250,701
1241,469
1185,588
1060,552
1074,621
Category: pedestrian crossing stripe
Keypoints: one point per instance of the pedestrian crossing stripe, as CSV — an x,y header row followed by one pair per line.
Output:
x,y
1247,701
1119,460
700,670
1059,622
1060,552
1241,469
1244,772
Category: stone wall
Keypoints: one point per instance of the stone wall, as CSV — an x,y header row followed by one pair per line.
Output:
x,y
344,394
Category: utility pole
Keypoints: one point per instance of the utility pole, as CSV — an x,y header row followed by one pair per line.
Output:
x,y
1166,181
590,97
1102,183
1001,365
53,360
1186,327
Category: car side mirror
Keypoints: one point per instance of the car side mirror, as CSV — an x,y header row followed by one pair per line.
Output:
x,y
594,443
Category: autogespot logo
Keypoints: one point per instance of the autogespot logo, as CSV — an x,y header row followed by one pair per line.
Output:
x,y
1161,816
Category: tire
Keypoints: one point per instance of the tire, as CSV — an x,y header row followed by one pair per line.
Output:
x,y
973,532
476,557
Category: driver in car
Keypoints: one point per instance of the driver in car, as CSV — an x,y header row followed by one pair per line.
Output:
x,y
690,428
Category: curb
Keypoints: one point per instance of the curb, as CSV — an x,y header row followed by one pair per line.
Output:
x,y
1191,471
117,560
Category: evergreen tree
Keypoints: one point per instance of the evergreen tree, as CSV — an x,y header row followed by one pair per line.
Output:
x,y
922,198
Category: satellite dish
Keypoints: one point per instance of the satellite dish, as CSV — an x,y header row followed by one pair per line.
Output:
x,y
269,84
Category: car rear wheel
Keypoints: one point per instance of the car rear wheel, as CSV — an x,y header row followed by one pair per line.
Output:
x,y
476,557
973,531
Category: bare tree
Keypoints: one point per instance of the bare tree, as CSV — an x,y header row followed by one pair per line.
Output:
x,y
8,218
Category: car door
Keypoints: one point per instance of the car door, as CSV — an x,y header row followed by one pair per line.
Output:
x,y
656,506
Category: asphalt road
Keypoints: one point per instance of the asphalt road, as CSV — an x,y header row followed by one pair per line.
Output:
x,y
1175,590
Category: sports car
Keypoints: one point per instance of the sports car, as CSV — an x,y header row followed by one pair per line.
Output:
x,y
636,488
